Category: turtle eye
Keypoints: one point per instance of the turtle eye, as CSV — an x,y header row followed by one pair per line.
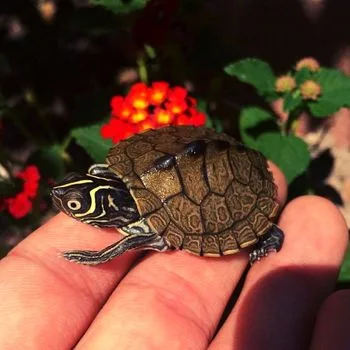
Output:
x,y
74,204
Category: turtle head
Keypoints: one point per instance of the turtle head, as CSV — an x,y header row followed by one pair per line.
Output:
x,y
98,198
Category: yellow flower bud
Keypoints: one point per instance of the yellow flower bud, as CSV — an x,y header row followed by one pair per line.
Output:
x,y
309,63
285,83
310,90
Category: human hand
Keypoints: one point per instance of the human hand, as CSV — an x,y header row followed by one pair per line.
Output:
x,y
175,300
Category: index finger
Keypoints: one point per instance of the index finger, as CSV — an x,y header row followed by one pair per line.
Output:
x,y
46,301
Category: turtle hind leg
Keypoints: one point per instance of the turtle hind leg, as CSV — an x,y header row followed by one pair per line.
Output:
x,y
91,257
271,242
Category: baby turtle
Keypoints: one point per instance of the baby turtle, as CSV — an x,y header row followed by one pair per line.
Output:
x,y
178,187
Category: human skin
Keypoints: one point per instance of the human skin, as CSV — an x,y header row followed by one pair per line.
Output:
x,y
175,300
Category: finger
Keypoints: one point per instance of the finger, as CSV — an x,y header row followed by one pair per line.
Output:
x,y
46,301
332,325
281,295
169,301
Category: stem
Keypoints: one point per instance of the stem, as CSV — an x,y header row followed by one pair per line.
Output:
x,y
142,68
293,115
63,148
65,143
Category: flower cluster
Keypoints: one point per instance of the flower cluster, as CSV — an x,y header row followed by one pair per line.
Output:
x,y
21,204
309,89
309,63
149,108
285,83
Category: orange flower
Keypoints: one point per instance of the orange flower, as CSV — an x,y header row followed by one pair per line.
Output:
x,y
177,107
117,130
138,116
158,92
121,108
151,107
145,125
138,96
163,116
177,94
193,118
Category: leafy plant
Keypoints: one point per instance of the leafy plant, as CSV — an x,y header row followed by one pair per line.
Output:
x,y
308,88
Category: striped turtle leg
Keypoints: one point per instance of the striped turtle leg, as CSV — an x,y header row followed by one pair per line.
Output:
x,y
139,236
142,242
270,242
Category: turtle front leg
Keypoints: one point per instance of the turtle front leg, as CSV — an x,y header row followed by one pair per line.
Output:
x,y
271,242
90,257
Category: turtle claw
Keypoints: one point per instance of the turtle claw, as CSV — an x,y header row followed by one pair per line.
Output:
x,y
271,243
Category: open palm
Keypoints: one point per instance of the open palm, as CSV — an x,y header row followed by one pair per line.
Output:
x,y
176,300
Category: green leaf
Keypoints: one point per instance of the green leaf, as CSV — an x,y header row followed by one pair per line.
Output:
x,y
335,91
290,153
49,161
255,72
322,108
344,274
120,6
252,122
302,75
151,52
292,100
90,139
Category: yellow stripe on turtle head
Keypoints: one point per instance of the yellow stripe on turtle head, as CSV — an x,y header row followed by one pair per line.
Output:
x,y
93,201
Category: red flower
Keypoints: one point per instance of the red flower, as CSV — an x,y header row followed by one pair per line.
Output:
x,y
30,188
145,125
117,130
30,173
21,204
138,96
150,107
177,94
121,108
163,117
177,107
138,116
158,92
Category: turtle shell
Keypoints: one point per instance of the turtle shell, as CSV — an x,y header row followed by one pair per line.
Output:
x,y
202,190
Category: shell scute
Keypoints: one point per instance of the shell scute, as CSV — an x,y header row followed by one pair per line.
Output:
x,y
193,243
219,172
193,178
202,190
211,245
185,213
215,213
